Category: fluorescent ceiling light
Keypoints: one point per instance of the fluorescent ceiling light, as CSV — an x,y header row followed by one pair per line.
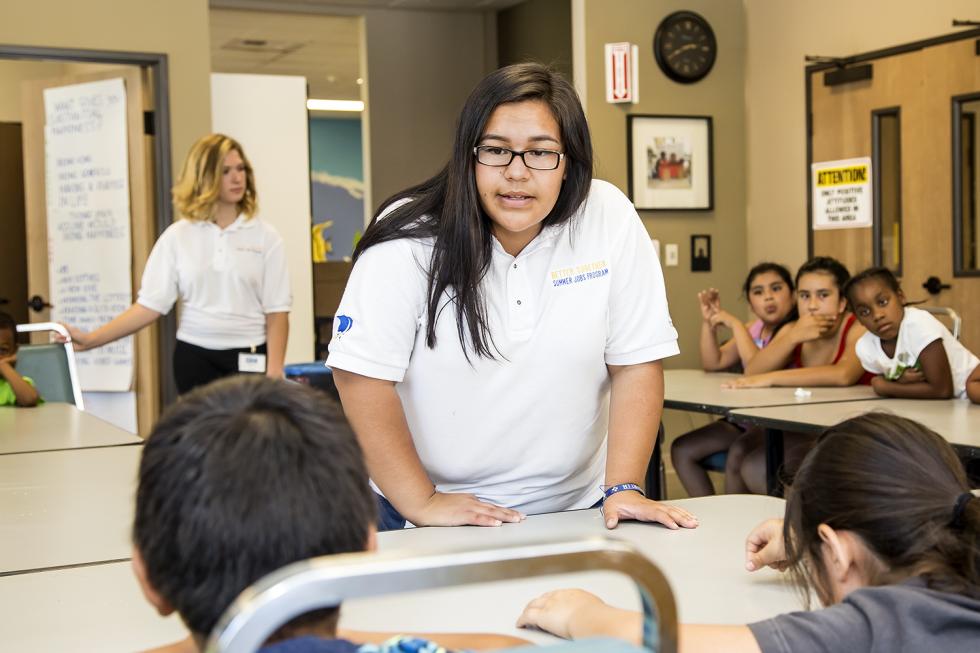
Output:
x,y
334,105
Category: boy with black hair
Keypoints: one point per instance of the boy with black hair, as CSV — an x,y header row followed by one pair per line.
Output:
x,y
243,477
15,390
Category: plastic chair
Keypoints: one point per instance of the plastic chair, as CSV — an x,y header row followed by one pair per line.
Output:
x,y
956,322
329,580
51,366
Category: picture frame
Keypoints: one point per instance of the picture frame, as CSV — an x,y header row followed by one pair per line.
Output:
x,y
670,162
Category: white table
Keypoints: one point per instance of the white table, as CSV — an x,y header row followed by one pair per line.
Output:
x,y
62,508
957,420
54,426
102,604
701,392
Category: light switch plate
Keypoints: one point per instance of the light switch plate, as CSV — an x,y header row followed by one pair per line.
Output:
x,y
671,255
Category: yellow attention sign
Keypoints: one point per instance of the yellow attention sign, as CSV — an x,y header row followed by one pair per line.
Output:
x,y
857,174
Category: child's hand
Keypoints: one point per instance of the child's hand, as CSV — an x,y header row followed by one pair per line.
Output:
x,y
764,547
911,375
751,381
556,611
710,302
10,360
813,326
723,317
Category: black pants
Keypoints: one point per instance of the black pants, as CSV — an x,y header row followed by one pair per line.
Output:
x,y
196,366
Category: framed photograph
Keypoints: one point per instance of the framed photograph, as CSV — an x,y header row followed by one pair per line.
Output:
x,y
670,166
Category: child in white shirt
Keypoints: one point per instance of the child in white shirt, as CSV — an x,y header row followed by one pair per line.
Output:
x,y
912,353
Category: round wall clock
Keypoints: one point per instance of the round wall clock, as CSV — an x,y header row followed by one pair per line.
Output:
x,y
685,47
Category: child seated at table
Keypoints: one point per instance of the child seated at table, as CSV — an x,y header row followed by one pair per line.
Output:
x,y
240,478
913,355
15,390
769,290
880,524
818,349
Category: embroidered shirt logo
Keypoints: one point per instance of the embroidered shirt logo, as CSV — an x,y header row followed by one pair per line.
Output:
x,y
344,324
579,273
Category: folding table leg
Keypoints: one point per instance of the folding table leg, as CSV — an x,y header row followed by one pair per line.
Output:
x,y
774,461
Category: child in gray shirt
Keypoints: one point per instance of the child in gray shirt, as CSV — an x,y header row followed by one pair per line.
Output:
x,y
880,525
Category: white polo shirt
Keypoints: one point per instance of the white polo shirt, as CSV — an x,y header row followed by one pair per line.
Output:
x,y
527,430
226,279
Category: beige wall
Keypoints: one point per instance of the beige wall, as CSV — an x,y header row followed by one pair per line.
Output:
x,y
719,95
779,34
15,71
177,28
537,30
421,66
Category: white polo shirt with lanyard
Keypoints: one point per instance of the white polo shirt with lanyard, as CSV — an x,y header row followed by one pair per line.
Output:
x,y
526,430
227,280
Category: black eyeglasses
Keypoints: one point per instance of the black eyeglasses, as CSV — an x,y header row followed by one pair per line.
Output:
x,y
500,157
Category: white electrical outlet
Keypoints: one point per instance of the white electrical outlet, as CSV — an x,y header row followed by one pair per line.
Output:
x,y
671,251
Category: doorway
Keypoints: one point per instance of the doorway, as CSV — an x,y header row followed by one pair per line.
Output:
x,y
908,109
18,66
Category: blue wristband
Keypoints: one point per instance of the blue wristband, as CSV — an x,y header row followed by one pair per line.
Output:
x,y
622,487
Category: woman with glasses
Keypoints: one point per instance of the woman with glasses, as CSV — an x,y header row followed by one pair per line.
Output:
x,y
501,318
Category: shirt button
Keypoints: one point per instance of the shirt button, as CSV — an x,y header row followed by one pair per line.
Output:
x,y
518,302
515,266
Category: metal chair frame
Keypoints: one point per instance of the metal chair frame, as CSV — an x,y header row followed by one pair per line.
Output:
x,y
329,580
36,327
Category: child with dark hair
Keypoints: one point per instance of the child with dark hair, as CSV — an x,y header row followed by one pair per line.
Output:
x,y
769,290
818,349
243,477
913,355
896,567
15,390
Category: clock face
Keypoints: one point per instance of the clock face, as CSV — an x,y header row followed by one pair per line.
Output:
x,y
685,47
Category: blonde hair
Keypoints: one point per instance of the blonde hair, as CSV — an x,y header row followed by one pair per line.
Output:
x,y
197,190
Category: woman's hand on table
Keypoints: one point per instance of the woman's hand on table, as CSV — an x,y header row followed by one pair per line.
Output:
x,y
442,509
751,381
764,547
633,505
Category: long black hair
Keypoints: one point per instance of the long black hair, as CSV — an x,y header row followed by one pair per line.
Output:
x,y
924,525
447,209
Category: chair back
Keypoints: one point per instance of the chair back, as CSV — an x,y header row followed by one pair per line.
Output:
x,y
955,321
51,366
328,581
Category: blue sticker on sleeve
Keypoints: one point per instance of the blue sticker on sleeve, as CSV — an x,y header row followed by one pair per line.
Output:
x,y
344,323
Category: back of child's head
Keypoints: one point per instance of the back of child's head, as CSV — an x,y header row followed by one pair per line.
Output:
x,y
878,273
825,265
901,488
762,268
7,323
240,478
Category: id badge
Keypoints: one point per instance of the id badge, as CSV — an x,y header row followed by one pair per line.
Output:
x,y
251,363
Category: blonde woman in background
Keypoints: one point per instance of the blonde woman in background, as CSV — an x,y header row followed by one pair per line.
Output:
x,y
227,267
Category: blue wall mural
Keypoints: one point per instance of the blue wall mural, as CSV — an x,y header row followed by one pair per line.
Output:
x,y
338,186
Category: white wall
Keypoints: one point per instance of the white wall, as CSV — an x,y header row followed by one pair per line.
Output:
x,y
267,115
780,33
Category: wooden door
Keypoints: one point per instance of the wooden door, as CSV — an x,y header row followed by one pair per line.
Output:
x,y
919,81
13,259
146,382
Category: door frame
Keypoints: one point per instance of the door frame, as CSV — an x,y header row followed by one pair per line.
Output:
x,y
159,122
841,64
